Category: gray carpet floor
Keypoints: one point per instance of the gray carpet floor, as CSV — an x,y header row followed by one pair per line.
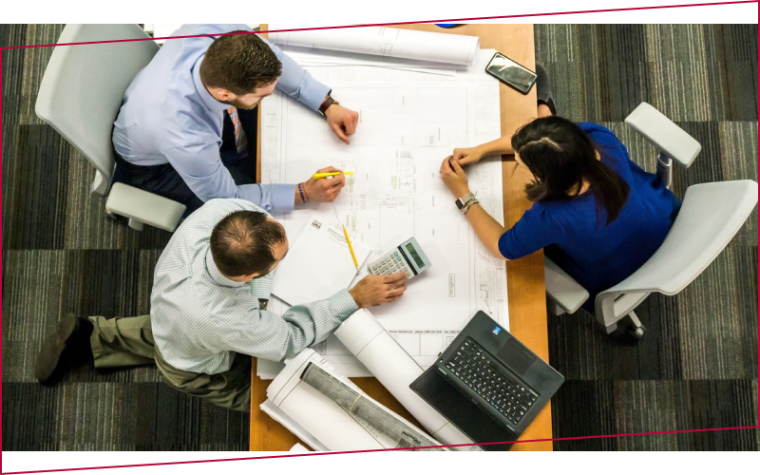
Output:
x,y
695,369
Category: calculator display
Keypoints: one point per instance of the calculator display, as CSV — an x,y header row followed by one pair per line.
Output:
x,y
415,256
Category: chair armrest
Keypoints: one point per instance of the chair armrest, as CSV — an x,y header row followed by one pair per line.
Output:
x,y
562,289
669,138
144,207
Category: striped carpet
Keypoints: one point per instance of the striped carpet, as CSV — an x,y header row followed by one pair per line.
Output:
x,y
697,366
695,369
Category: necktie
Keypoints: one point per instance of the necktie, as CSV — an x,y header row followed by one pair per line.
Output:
x,y
241,142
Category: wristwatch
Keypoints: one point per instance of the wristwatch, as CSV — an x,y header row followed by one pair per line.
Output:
x,y
464,201
469,204
329,101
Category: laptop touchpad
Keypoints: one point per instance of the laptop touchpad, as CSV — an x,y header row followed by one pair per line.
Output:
x,y
517,358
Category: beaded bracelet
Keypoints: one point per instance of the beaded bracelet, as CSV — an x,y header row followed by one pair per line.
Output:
x,y
304,198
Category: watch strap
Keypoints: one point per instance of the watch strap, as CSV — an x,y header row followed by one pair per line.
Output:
x,y
462,202
329,101
469,204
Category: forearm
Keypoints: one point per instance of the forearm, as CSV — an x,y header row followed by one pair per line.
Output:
x,y
313,322
488,230
500,146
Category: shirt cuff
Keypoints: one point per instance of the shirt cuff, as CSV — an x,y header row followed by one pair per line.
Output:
x,y
283,197
343,305
313,93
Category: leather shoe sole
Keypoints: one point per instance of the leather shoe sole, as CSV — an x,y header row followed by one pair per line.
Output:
x,y
53,347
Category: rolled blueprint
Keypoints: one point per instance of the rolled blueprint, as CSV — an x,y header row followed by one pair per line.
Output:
x,y
335,412
390,42
396,370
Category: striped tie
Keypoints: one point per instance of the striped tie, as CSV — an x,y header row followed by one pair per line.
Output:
x,y
241,142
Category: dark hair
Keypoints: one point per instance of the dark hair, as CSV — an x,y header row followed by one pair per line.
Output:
x,y
560,155
240,63
241,243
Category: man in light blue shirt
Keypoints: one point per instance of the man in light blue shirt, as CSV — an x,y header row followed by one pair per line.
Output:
x,y
209,310
194,98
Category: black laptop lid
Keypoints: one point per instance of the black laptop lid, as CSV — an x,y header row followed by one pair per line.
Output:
x,y
461,411
457,403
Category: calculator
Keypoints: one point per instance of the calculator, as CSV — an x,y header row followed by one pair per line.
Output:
x,y
407,257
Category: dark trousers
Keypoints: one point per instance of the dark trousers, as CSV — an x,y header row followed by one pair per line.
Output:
x,y
164,180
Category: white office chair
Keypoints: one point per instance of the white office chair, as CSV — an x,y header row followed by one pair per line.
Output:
x,y
80,97
710,216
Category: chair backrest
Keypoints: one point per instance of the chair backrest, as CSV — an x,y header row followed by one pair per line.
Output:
x,y
711,214
83,86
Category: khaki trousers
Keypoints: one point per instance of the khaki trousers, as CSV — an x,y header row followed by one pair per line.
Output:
x,y
126,342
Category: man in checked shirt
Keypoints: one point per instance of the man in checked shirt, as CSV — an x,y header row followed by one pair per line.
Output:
x,y
208,310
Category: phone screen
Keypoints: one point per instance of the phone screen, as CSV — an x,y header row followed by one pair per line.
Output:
x,y
511,73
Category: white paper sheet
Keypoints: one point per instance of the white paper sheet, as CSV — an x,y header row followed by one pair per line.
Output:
x,y
338,426
309,57
384,41
287,422
318,264
408,123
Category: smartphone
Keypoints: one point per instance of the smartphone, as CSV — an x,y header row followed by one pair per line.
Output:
x,y
510,73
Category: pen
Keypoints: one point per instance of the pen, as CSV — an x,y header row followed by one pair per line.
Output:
x,y
325,175
350,248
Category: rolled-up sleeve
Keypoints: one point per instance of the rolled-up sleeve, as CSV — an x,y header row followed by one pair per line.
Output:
x,y
273,337
297,83
535,230
202,170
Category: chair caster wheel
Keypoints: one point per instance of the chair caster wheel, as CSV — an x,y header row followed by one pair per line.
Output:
x,y
637,333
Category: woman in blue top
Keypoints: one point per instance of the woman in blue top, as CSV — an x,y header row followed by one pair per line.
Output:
x,y
598,215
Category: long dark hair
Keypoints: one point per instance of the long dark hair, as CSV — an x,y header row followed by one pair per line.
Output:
x,y
560,155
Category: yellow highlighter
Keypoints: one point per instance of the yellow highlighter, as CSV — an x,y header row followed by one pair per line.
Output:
x,y
317,176
350,248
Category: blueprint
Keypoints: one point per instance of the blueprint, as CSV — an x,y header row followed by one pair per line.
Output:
x,y
422,46
409,122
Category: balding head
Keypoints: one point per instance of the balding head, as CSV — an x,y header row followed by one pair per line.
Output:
x,y
245,243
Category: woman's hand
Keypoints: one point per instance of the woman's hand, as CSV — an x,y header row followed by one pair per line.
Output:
x,y
454,177
468,156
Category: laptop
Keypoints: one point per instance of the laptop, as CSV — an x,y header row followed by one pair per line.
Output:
x,y
488,384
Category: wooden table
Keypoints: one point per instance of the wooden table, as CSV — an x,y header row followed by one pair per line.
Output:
x,y
525,282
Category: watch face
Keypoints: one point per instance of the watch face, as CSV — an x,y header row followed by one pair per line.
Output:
x,y
459,203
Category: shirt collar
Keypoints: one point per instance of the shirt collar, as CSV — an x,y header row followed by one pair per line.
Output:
x,y
217,276
208,100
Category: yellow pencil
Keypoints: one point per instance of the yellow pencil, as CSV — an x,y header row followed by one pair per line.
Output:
x,y
325,175
350,248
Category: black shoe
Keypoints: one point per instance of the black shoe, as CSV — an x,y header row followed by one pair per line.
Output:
x,y
70,342
544,88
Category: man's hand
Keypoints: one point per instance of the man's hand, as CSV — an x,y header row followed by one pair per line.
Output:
x,y
342,121
376,290
454,177
325,190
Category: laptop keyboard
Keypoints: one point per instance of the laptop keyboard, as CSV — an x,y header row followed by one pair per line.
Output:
x,y
476,368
